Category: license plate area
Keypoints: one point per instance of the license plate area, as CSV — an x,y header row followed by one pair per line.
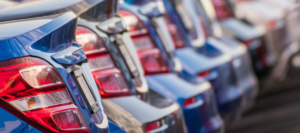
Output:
x,y
129,62
84,88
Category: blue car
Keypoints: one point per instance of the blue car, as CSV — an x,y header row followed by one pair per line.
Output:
x,y
126,96
163,70
224,43
46,84
206,61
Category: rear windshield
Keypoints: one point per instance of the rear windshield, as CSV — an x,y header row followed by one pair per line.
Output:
x,y
102,11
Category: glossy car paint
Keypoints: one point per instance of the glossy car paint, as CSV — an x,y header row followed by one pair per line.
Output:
x,y
35,43
51,38
161,83
228,92
292,16
278,42
123,110
244,75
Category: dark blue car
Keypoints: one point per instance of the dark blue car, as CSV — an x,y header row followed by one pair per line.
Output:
x,y
164,71
217,43
46,84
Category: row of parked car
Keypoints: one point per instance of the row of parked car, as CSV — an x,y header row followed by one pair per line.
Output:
x,y
166,66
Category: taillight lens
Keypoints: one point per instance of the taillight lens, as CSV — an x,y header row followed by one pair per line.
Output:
x,y
204,74
109,79
152,61
152,126
222,9
248,42
272,24
35,89
149,55
189,101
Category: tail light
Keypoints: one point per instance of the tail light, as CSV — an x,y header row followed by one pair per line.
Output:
x,y
152,126
176,35
189,101
109,79
204,74
149,55
34,88
222,10
272,24
247,42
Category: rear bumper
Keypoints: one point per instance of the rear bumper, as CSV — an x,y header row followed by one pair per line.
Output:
x,y
132,114
198,116
241,68
229,94
250,92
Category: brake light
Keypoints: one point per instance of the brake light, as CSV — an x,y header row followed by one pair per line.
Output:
x,y
152,126
176,35
248,42
152,61
204,74
35,89
109,79
222,9
272,24
189,101
149,55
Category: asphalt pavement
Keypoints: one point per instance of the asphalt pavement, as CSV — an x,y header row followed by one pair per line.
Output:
x,y
274,113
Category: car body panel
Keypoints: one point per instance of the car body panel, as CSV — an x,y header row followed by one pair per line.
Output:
x,y
35,43
292,16
115,129
11,48
31,129
194,63
245,77
153,113
278,41
211,57
192,112
118,109
10,123
171,86
241,30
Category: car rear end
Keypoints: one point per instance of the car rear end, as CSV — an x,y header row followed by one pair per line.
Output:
x,y
281,47
42,85
291,11
213,58
120,80
148,42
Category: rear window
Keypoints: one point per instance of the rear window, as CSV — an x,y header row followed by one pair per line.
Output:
x,y
102,11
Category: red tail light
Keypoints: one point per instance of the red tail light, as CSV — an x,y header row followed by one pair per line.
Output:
x,y
248,42
108,78
152,126
149,55
35,89
204,74
189,101
222,9
272,24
